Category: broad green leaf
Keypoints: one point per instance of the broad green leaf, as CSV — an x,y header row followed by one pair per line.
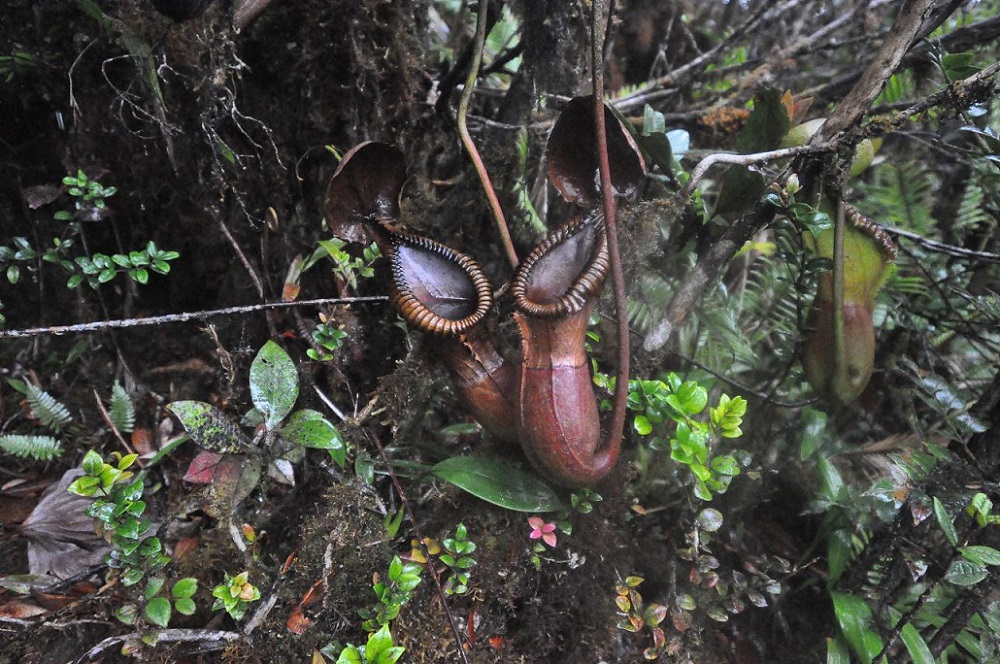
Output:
x,y
127,613
965,573
857,625
185,606
378,643
831,483
984,555
813,427
184,587
274,383
944,520
310,429
920,653
209,428
498,483
158,611
349,655
837,652
153,586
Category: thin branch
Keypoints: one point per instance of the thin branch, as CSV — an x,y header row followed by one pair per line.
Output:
x,y
615,428
942,248
717,158
99,326
470,146
901,37
684,72
209,639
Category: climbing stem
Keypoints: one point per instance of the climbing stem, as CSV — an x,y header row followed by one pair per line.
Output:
x,y
470,146
598,21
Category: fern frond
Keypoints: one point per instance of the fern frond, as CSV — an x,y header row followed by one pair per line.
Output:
x,y
122,412
971,211
50,411
39,448
901,195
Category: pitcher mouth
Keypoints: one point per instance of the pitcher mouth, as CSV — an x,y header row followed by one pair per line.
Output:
x,y
435,288
565,272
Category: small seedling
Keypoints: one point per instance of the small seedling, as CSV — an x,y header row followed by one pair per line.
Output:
x,y
457,557
118,509
158,609
274,389
392,594
635,615
235,594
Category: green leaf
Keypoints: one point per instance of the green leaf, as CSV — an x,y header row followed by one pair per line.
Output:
x,y
158,611
274,383
310,429
642,425
127,613
837,652
813,427
349,655
831,483
857,625
947,525
185,606
920,653
153,586
983,555
965,573
184,588
378,643
209,428
498,483
93,464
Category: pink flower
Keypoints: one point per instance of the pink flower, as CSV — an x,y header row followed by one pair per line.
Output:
x,y
542,530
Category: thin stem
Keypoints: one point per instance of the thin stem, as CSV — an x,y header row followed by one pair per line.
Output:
x,y
101,325
599,9
470,146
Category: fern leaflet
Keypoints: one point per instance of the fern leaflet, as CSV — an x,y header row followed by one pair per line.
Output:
x,y
40,448
51,412
122,411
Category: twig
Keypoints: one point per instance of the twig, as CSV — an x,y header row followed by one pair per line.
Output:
x,y
107,420
942,248
887,58
615,428
209,638
243,259
682,73
470,146
99,326
703,166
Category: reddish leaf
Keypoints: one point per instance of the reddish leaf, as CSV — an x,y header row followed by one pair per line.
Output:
x,y
203,467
